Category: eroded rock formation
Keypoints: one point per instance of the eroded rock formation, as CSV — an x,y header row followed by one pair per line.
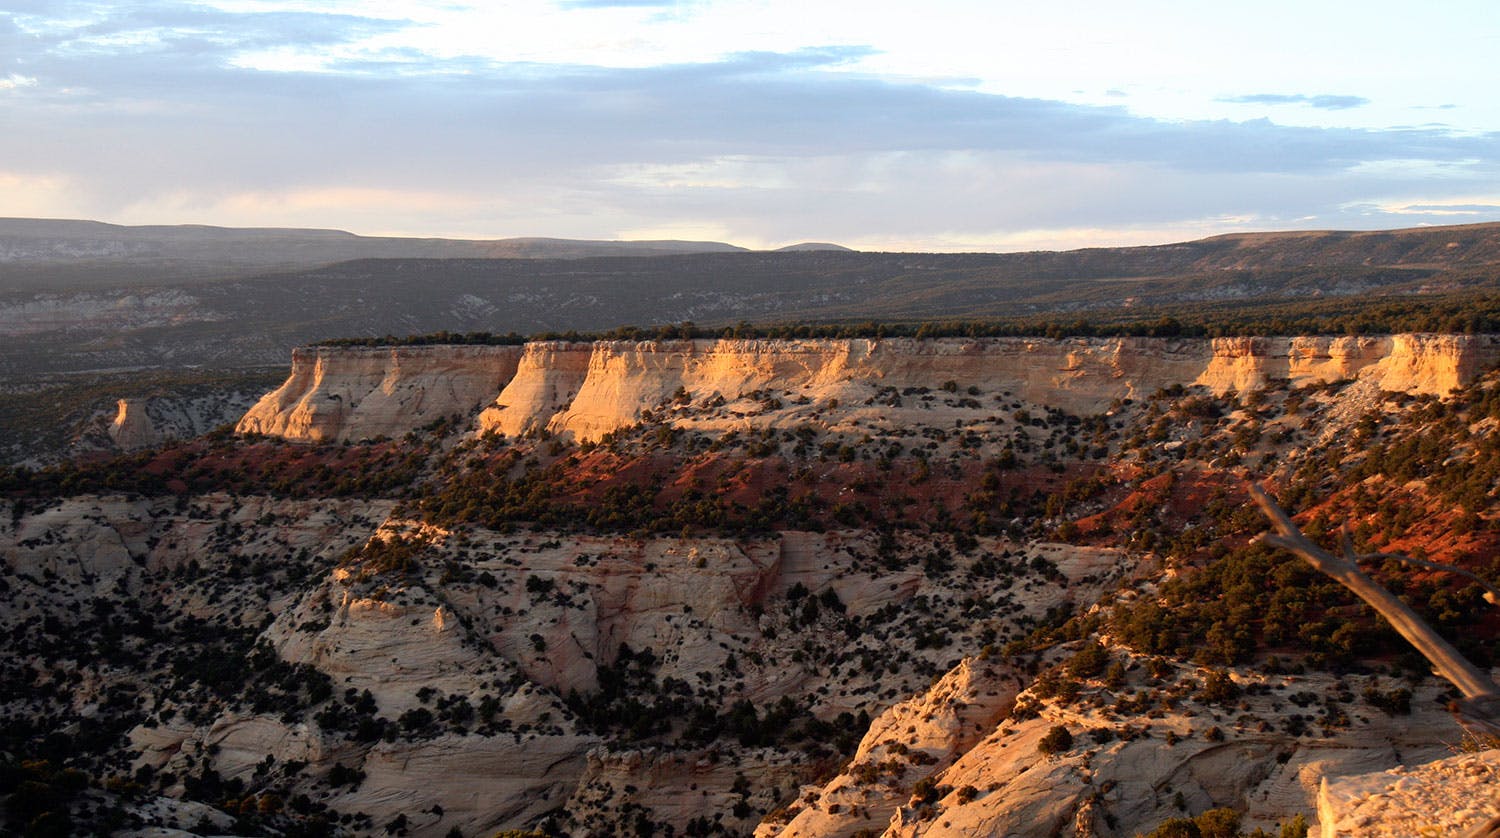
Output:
x,y
583,391
823,588
352,393
1450,796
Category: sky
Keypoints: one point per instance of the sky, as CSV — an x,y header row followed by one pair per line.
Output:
x,y
946,125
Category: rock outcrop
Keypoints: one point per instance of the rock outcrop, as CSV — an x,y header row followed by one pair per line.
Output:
x,y
1432,364
132,428
910,740
777,577
944,767
1447,797
547,378
350,393
586,390
147,421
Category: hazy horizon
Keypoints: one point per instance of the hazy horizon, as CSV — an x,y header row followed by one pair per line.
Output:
x,y
769,247
973,126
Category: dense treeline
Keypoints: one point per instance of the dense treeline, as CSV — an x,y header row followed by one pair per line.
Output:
x,y
222,462
1393,484
1456,313
1253,601
544,497
1428,440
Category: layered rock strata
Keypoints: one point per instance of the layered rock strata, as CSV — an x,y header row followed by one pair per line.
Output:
x,y
335,394
586,390
988,772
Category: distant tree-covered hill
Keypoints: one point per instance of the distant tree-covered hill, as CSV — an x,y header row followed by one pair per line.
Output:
x,y
1428,278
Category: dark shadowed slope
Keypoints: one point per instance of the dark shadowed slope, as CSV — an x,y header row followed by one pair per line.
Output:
x,y
256,320
46,254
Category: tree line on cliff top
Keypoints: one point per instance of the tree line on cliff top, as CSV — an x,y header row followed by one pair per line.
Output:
x,y
1451,314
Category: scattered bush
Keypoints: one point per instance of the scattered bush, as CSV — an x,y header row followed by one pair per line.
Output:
x,y
1056,741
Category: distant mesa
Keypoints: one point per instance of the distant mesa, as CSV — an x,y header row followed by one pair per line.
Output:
x,y
43,238
82,296
546,248
42,254
815,246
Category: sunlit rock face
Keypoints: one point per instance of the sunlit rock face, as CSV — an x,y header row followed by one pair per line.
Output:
x,y
1430,364
582,390
336,394
132,427
548,377
405,664
1452,796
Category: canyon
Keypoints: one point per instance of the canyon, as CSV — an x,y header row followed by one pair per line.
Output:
x,y
814,587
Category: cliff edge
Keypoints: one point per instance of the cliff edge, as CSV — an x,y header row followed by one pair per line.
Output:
x,y
584,390
337,394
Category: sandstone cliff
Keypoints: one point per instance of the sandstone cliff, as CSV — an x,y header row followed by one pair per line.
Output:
x,y
957,761
338,394
805,550
586,390
1412,363
150,420
547,378
1452,796
131,427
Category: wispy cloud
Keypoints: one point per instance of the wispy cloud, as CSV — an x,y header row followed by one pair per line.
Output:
x,y
1439,209
1326,101
175,111
606,4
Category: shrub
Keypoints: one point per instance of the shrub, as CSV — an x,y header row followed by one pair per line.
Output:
x,y
1218,823
342,774
1176,828
925,791
1396,702
1218,688
1056,741
1089,661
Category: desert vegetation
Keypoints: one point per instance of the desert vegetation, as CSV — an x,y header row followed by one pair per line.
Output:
x,y
737,616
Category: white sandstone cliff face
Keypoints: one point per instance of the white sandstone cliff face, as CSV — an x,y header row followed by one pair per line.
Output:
x,y
625,379
1124,776
548,376
585,390
1431,364
910,740
147,421
351,393
1435,364
132,428
1450,796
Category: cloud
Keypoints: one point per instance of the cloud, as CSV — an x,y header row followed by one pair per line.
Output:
x,y
174,112
1438,209
1466,209
610,4
36,196
152,33
1326,101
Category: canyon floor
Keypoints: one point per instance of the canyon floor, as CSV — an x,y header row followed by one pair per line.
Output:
x,y
833,607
